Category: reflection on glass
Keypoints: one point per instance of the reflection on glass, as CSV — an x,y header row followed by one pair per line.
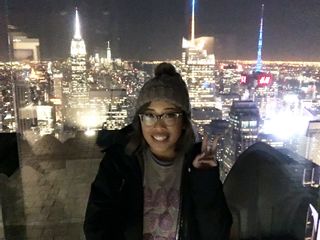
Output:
x,y
69,74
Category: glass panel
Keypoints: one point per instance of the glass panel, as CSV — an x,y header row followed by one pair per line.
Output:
x,y
70,74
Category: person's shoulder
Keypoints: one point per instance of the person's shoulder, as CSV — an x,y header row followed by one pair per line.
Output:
x,y
114,158
108,139
193,151
196,148
117,153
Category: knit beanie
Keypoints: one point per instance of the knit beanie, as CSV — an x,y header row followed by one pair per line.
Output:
x,y
166,85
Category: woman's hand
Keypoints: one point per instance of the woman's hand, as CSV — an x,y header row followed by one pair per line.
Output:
x,y
207,159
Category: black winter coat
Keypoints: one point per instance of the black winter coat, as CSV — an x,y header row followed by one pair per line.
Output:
x,y
115,206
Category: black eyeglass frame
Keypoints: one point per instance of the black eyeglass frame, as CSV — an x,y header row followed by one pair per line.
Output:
x,y
155,118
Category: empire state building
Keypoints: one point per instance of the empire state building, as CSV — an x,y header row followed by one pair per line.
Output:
x,y
79,89
78,99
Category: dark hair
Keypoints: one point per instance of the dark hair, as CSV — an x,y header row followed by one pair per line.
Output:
x,y
137,142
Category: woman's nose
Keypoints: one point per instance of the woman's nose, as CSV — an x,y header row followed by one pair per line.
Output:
x,y
159,124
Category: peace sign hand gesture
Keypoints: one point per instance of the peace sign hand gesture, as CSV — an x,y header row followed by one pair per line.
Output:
x,y
206,159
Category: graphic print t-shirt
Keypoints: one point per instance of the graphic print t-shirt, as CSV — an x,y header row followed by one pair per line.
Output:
x,y
161,197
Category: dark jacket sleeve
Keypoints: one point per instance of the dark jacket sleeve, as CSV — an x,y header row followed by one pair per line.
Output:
x,y
102,219
211,212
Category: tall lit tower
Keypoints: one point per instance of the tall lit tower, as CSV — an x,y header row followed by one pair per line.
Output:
x,y
192,22
79,86
109,59
79,89
198,67
259,60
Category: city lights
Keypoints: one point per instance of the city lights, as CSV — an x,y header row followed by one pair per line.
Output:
x,y
90,120
71,76
90,133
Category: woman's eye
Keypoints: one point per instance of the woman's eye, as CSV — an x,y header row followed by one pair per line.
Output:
x,y
170,115
149,115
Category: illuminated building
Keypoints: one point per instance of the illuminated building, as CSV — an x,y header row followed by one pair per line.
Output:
x,y
79,85
9,122
257,84
79,89
271,140
117,110
23,48
108,62
219,127
229,77
7,112
203,116
109,59
57,95
26,114
109,106
57,87
45,119
313,142
198,68
256,80
27,119
32,92
224,102
244,120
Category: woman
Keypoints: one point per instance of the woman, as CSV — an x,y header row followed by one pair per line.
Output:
x,y
154,182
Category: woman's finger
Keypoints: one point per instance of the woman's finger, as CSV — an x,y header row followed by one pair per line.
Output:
x,y
202,164
196,161
209,163
214,143
204,144
203,161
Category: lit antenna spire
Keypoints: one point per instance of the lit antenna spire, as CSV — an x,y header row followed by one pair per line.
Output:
x,y
77,33
259,60
78,46
109,53
192,22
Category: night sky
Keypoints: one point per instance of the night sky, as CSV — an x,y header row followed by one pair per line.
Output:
x,y
153,29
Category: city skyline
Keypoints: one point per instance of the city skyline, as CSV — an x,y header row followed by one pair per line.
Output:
x,y
291,27
61,111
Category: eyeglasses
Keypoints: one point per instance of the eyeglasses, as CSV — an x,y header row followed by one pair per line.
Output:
x,y
150,119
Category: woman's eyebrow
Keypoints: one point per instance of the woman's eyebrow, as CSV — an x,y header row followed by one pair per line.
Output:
x,y
170,108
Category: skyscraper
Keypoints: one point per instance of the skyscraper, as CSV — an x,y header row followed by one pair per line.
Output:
x,y
244,129
24,48
313,141
198,67
109,59
79,89
259,58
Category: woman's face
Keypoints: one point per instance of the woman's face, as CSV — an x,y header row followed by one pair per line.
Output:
x,y
164,133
